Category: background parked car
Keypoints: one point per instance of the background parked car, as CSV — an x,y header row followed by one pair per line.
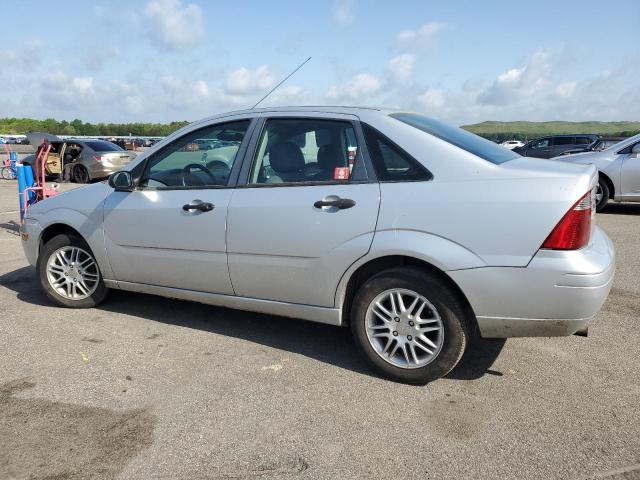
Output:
x,y
552,146
80,160
619,169
511,144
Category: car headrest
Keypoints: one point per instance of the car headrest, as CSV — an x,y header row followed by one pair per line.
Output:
x,y
286,157
329,157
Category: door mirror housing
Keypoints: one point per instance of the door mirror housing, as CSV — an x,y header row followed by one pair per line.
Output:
x,y
121,181
635,151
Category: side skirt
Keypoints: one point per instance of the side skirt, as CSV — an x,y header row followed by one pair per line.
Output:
x,y
330,316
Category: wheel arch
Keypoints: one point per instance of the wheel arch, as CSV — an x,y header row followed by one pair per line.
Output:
x,y
610,185
56,229
376,265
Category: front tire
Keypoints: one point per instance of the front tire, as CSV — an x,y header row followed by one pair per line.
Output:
x,y
602,195
409,325
69,273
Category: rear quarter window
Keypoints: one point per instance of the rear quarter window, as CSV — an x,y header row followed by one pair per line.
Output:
x,y
480,147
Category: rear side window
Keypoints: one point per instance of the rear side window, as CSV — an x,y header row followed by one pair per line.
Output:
x,y
390,161
583,140
468,141
102,146
560,141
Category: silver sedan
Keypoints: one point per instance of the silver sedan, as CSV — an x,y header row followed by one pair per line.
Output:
x,y
415,234
619,169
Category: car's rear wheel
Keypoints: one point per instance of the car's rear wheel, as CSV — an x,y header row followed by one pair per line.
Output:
x,y
80,174
69,273
409,324
602,195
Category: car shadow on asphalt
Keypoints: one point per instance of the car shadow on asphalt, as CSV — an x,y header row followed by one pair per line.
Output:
x,y
11,227
326,343
621,209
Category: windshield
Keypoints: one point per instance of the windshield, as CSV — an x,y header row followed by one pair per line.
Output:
x,y
626,141
468,141
102,146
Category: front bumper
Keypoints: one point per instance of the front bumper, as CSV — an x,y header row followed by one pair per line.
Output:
x,y
30,232
555,295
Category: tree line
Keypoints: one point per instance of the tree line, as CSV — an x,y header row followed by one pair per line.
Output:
x,y
21,126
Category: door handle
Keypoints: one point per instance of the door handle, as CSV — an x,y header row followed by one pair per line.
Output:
x,y
340,203
198,205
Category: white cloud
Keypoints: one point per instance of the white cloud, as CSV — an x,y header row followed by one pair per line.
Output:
x,y
401,67
343,12
174,26
516,82
245,81
184,92
566,89
422,37
432,98
356,88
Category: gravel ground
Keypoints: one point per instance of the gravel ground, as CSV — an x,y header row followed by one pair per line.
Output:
x,y
145,387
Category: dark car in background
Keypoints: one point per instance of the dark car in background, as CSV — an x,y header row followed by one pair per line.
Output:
x,y
555,145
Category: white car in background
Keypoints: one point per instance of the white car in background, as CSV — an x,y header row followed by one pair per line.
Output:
x,y
511,144
619,170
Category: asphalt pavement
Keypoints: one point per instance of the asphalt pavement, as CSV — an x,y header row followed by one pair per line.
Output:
x,y
145,387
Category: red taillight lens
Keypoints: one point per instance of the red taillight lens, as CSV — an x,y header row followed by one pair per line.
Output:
x,y
97,158
574,230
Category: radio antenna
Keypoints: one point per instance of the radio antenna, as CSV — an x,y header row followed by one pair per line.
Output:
x,y
283,80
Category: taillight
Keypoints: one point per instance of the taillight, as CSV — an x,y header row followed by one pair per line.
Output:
x,y
97,158
574,230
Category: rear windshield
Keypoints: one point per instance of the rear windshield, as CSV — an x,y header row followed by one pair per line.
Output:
x,y
468,141
102,146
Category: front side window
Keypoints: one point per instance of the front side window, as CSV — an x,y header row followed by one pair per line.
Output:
x,y
583,140
305,150
543,143
203,158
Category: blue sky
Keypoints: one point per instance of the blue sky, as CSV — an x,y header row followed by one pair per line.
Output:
x,y
460,61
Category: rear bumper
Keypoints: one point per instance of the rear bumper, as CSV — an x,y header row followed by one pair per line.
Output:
x,y
98,170
556,294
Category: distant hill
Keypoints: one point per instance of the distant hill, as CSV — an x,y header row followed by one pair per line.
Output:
x,y
526,130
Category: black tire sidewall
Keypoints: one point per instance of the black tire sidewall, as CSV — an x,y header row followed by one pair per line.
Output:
x,y
85,173
456,330
605,195
63,240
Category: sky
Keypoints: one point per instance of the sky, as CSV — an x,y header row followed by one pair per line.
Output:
x,y
458,61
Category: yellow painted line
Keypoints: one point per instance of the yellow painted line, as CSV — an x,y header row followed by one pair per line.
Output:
x,y
85,359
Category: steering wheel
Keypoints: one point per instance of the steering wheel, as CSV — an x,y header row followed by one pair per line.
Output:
x,y
186,171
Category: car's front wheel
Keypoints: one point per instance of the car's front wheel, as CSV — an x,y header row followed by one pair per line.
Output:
x,y
69,274
410,325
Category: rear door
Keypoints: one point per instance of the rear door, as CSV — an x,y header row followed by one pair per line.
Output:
x,y
306,212
171,230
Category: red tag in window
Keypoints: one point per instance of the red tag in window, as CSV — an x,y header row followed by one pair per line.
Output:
x,y
341,173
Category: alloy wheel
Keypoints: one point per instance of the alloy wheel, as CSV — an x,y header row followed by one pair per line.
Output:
x,y
73,273
404,328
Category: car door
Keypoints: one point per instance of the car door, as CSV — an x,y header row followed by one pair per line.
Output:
x,y
630,173
307,209
171,230
560,145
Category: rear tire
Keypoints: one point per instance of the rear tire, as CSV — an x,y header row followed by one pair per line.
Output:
x,y
6,173
80,174
377,330
69,274
603,192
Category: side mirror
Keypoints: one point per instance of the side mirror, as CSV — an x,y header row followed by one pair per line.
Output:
x,y
635,151
121,181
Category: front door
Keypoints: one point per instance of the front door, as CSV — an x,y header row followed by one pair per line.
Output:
x,y
306,213
171,230
630,175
